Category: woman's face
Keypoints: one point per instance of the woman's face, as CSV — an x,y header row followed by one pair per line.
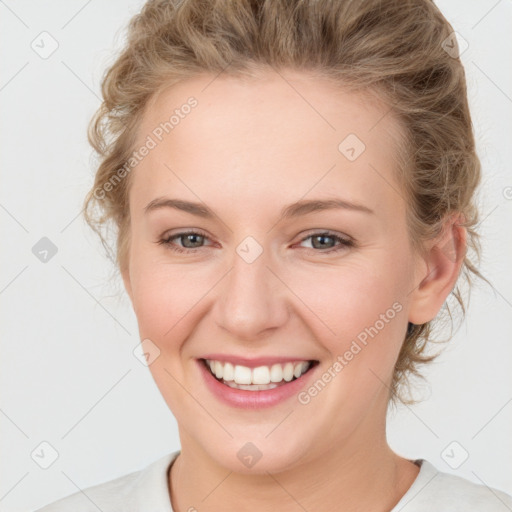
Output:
x,y
261,279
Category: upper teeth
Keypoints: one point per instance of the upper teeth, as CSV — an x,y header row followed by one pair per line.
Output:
x,y
260,375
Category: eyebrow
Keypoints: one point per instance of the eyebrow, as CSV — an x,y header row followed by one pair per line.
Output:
x,y
302,207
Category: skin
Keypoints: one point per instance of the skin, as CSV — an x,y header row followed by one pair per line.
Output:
x,y
249,148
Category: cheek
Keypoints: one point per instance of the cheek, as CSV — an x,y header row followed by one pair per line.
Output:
x,y
359,311
164,295
168,301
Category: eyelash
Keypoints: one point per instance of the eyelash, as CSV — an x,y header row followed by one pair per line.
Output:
x,y
343,242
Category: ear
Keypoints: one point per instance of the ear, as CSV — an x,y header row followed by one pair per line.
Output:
x,y
437,271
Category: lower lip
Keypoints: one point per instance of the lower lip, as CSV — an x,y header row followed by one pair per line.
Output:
x,y
253,399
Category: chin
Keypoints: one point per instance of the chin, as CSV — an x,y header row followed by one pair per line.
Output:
x,y
257,457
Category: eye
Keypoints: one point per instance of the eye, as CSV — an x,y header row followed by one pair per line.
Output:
x,y
320,240
191,240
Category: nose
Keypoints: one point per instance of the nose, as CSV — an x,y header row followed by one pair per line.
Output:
x,y
252,301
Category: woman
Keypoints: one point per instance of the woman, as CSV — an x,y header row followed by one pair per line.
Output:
x,y
292,184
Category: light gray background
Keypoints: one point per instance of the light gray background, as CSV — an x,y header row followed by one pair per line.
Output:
x,y
68,374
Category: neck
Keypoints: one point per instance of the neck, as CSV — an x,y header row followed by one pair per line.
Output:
x,y
359,474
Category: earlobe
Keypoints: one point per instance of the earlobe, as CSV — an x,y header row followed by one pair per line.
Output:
x,y
439,271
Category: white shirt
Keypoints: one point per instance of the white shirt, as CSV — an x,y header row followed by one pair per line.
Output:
x,y
147,490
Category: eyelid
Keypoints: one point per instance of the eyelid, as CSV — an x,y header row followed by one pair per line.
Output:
x,y
191,231
326,232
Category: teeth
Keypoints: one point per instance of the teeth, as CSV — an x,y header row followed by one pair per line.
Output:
x,y
276,373
288,372
252,387
219,369
297,370
228,372
263,376
243,375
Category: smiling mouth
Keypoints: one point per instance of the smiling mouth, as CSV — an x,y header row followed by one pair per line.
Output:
x,y
258,379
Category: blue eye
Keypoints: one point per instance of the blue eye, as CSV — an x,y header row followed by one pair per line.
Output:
x,y
192,240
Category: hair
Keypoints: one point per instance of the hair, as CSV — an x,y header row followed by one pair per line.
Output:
x,y
394,50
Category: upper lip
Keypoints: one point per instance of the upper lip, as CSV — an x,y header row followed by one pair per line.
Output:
x,y
254,362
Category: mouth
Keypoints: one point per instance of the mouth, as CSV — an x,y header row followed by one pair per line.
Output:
x,y
259,378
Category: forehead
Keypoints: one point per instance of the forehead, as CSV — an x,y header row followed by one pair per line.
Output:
x,y
276,137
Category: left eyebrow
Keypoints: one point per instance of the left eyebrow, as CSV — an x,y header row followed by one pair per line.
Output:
x,y
297,209
314,205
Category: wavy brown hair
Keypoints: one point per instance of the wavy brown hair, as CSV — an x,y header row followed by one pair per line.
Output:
x,y
394,49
